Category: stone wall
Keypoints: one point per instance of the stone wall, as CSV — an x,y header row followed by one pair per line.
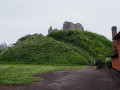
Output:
x,y
70,25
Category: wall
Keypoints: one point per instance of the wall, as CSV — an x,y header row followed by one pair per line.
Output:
x,y
116,61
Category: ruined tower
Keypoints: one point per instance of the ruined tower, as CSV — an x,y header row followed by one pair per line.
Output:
x,y
50,29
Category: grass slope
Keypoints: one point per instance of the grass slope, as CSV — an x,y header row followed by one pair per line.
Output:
x,y
90,43
20,74
39,49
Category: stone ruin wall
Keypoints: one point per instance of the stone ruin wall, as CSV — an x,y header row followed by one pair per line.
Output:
x,y
68,26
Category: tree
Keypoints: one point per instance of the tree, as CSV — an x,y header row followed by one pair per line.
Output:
x,y
3,46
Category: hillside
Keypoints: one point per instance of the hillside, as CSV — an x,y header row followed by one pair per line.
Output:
x,y
90,45
39,49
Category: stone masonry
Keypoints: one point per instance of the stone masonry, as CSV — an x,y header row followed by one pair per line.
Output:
x,y
68,26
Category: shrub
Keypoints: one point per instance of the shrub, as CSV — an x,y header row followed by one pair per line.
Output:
x,y
100,64
108,63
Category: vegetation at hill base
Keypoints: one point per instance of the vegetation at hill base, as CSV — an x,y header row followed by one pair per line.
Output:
x,y
20,74
39,49
91,44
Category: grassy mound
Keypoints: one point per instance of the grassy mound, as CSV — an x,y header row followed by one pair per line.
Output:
x,y
39,49
90,44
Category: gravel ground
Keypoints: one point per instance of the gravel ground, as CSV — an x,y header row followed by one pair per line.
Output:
x,y
82,79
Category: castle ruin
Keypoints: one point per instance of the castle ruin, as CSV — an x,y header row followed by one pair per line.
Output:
x,y
68,26
50,29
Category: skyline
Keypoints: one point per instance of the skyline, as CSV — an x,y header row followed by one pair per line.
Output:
x,y
22,17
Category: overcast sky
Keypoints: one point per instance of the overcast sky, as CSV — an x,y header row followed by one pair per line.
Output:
x,y
21,17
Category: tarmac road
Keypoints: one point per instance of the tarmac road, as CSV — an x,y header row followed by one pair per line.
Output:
x,y
82,79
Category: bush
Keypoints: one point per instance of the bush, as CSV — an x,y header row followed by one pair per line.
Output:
x,y
108,63
100,64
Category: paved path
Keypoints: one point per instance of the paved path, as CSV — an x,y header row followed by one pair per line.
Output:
x,y
82,79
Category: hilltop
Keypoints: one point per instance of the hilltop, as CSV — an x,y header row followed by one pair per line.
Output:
x,y
90,45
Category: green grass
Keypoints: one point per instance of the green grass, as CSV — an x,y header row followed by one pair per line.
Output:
x,y
95,45
20,74
39,49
